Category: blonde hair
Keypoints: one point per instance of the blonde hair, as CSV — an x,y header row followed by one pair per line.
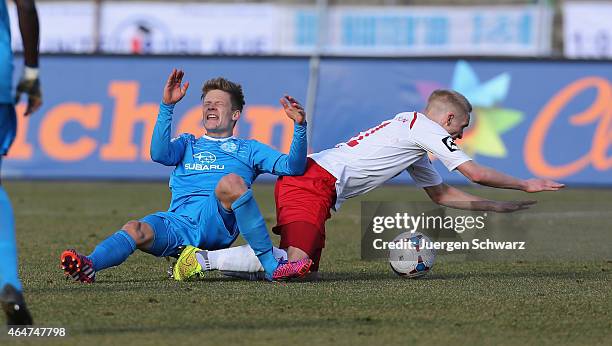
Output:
x,y
442,99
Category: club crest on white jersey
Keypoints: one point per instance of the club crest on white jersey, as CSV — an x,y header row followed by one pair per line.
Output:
x,y
450,143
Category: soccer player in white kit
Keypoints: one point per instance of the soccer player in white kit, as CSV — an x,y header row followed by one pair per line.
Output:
x,y
366,161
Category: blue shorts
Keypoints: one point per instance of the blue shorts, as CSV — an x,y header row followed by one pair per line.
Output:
x,y
215,228
8,127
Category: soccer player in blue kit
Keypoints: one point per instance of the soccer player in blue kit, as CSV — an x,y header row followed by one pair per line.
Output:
x,y
11,297
211,197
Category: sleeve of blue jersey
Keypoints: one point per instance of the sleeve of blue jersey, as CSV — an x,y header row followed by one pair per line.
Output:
x,y
164,149
268,160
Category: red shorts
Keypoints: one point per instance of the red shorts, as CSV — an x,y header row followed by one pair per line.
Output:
x,y
303,205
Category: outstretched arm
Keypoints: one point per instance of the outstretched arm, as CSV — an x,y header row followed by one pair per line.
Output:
x,y
294,163
449,196
438,142
489,177
163,149
29,83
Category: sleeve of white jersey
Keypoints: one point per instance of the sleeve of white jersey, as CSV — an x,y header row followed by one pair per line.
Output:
x,y
439,143
423,173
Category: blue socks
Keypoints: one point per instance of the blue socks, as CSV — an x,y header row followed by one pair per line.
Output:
x,y
113,250
8,246
253,228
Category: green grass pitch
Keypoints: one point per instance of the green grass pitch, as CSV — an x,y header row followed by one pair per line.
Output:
x,y
355,302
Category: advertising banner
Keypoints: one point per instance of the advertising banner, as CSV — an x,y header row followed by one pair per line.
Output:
x,y
67,26
270,29
528,119
99,112
587,32
414,31
189,28
531,118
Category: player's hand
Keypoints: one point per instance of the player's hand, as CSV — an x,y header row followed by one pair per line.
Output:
x,y
511,206
293,109
32,88
538,185
173,91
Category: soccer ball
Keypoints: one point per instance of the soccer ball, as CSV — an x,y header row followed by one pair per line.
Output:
x,y
409,259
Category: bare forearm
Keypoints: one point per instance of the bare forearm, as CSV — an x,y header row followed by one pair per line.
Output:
x,y
28,25
457,199
493,178
454,198
489,177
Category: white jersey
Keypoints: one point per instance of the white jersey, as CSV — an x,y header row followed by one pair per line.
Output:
x,y
372,157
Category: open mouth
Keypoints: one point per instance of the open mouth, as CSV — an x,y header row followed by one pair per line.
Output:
x,y
212,117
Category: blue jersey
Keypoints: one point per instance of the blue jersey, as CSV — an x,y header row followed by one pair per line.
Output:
x,y
202,162
6,56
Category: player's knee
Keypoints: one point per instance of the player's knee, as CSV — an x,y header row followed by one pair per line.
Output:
x,y
230,187
138,231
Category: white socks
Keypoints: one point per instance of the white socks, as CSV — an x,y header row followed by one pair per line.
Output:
x,y
235,259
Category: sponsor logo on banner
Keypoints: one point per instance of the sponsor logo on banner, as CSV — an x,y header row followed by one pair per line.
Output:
x,y
414,30
159,28
598,114
490,123
140,34
123,141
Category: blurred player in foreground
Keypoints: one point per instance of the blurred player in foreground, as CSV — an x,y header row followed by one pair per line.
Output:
x,y
365,162
11,297
211,197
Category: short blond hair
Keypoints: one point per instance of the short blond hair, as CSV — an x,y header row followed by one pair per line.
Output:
x,y
448,99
